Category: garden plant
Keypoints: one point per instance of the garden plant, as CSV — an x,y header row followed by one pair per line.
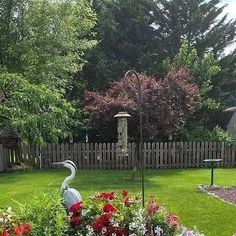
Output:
x,y
104,214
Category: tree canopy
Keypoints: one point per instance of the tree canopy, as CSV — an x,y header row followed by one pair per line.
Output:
x,y
166,105
42,46
38,113
141,34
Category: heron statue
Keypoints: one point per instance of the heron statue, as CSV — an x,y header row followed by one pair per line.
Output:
x,y
70,195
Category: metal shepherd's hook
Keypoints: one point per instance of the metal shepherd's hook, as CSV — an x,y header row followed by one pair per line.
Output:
x,y
140,127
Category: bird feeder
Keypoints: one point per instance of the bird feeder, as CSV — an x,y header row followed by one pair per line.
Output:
x,y
122,133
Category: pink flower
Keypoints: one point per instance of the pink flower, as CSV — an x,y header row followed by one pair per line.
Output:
x,y
173,220
152,207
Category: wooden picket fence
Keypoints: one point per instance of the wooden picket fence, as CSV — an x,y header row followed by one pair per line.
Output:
x,y
105,155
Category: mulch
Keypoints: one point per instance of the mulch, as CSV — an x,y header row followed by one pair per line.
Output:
x,y
227,194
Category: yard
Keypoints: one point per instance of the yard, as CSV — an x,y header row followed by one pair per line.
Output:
x,y
176,190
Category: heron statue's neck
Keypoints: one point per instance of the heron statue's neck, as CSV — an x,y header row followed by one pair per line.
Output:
x,y
68,179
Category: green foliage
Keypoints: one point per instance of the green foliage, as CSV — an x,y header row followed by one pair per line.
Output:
x,y
203,71
46,214
201,134
42,47
57,40
38,113
49,41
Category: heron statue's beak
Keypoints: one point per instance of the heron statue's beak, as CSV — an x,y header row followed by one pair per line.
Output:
x,y
57,164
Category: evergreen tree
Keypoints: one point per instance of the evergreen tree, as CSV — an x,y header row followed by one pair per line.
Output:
x,y
205,26
125,35
143,33
199,21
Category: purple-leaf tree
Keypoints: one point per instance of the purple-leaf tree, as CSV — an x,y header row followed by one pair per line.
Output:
x,y
166,103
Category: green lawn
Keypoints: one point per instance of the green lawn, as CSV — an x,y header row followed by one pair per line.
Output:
x,y
176,190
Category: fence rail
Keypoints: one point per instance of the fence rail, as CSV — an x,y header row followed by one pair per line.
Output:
x,y
105,155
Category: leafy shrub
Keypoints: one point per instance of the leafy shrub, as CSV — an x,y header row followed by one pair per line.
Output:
x,y
46,214
200,134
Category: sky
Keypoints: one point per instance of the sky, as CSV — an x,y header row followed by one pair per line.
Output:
x,y
231,10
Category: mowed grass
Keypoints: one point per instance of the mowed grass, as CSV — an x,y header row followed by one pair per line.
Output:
x,y
176,190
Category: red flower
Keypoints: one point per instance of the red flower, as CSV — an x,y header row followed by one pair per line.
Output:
x,y
109,208
106,196
152,210
22,230
125,193
18,231
26,229
102,221
127,202
75,221
111,230
4,233
76,207
105,219
97,226
120,232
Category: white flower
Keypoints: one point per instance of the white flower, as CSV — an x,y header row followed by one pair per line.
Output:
x,y
9,210
158,231
104,230
85,212
186,232
90,231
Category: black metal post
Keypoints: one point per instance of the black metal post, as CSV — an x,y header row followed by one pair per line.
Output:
x,y
141,129
212,173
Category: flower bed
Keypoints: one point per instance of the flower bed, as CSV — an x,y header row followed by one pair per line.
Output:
x,y
104,214
9,225
226,194
109,214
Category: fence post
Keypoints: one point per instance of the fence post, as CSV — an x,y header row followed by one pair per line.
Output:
x,y
2,167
